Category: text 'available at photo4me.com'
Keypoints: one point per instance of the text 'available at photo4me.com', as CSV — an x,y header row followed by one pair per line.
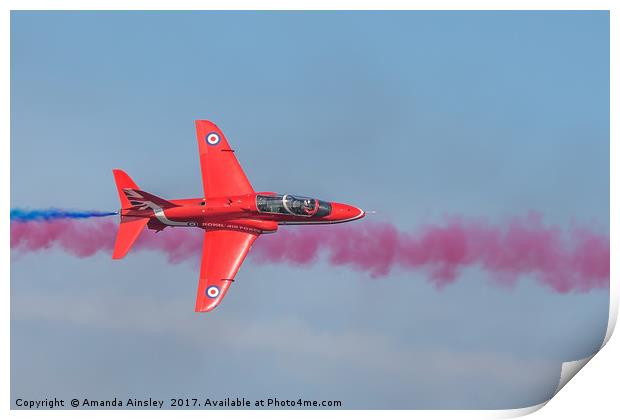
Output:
x,y
173,403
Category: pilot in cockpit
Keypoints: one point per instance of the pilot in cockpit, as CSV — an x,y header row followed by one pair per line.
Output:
x,y
307,206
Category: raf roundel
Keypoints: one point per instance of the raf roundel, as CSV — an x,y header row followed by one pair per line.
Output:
x,y
213,292
213,139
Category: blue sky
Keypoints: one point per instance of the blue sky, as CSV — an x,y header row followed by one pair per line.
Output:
x,y
417,115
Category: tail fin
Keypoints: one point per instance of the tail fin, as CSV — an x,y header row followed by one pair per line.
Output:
x,y
133,198
130,227
141,200
137,207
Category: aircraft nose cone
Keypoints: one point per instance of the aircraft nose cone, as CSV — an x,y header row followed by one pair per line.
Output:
x,y
355,212
344,212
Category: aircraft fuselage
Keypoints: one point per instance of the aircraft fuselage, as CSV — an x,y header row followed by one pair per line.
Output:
x,y
256,213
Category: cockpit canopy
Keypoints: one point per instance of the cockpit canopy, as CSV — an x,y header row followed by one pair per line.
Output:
x,y
294,205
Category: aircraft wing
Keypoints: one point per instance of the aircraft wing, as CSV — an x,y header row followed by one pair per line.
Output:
x,y
223,252
221,173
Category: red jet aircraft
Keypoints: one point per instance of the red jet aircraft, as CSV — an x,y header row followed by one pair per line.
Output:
x,y
231,214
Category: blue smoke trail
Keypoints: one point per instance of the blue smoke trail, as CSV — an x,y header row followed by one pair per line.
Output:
x,y
39,215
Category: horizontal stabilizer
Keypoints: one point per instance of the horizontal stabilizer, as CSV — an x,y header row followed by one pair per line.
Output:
x,y
128,231
123,181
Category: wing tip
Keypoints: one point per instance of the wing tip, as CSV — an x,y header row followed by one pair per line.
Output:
x,y
201,307
204,122
210,296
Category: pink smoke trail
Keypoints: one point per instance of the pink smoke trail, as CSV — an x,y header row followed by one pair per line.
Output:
x,y
577,260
